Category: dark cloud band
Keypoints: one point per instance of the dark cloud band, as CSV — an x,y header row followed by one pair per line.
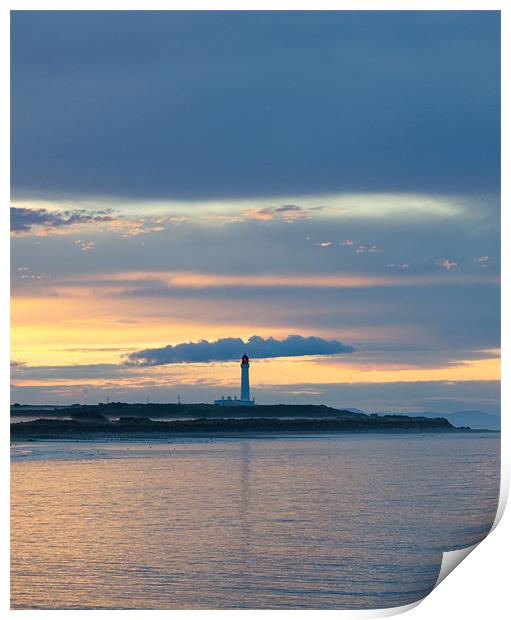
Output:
x,y
22,219
228,349
168,102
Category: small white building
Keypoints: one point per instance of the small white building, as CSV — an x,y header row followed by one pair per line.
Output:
x,y
244,401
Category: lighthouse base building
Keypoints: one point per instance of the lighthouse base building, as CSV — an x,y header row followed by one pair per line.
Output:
x,y
244,400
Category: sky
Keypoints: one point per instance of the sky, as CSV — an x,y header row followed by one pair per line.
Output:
x,y
320,190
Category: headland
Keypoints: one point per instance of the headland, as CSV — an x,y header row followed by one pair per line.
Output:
x,y
125,421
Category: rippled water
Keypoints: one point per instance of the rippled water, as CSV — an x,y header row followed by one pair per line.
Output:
x,y
346,521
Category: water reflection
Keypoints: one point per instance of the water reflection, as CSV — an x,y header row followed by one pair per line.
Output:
x,y
331,522
244,520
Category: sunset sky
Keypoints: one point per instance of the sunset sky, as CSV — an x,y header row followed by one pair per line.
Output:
x,y
210,177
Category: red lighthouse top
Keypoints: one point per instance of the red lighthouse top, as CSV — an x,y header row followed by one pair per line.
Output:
x,y
244,359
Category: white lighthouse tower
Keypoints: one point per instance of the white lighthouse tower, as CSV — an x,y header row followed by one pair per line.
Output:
x,y
245,384
244,400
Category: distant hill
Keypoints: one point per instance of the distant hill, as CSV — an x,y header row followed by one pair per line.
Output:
x,y
188,410
474,419
88,427
115,410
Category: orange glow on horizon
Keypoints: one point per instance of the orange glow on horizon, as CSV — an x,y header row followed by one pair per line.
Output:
x,y
279,371
91,328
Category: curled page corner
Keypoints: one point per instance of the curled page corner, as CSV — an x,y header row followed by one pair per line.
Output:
x,y
396,611
450,560
386,612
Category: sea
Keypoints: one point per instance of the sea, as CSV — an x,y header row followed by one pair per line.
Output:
x,y
344,521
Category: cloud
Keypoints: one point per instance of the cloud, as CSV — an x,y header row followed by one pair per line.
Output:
x,y
228,349
482,261
43,222
286,212
85,246
24,220
127,227
399,266
364,247
447,264
33,276
301,89
16,365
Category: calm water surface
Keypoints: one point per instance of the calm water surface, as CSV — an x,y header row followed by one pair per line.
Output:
x,y
344,521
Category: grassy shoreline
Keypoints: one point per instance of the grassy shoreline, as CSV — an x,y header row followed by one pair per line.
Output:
x,y
99,427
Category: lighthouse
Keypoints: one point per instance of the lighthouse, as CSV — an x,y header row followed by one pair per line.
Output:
x,y
245,385
244,400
